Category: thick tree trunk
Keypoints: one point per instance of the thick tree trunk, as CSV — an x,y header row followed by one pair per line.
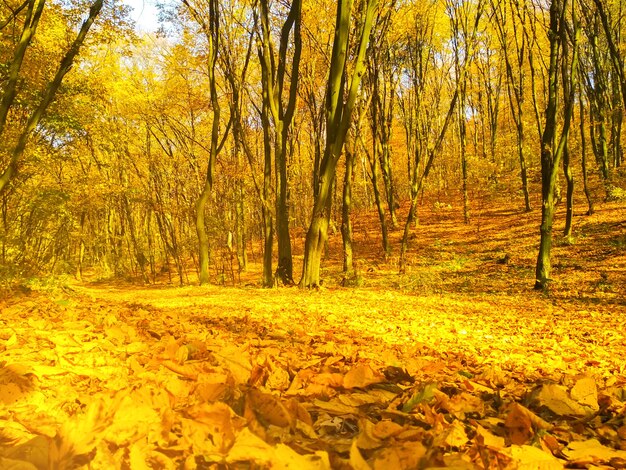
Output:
x,y
338,119
273,79
284,268
543,268
268,226
317,234
11,79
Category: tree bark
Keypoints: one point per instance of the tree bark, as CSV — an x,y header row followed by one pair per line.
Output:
x,y
273,80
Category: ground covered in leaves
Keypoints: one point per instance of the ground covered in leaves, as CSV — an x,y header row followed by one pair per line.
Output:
x,y
457,363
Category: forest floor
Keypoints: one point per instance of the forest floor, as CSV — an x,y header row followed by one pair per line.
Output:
x,y
457,363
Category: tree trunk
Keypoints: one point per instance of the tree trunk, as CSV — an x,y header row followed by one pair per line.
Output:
x,y
346,223
373,160
317,234
523,167
268,226
583,152
203,238
273,80
569,178
211,32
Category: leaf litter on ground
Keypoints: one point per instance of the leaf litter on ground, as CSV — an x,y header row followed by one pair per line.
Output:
x,y
103,376
352,378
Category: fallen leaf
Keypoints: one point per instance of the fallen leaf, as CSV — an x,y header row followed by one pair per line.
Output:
x,y
406,455
269,408
555,398
519,425
361,376
357,462
531,458
591,452
585,392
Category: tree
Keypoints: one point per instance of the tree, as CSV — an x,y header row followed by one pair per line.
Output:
x,y
212,36
464,33
505,15
338,119
9,92
274,87
563,61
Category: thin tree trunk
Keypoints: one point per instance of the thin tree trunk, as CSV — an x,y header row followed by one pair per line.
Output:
x,y
346,223
569,178
583,151
211,32
378,200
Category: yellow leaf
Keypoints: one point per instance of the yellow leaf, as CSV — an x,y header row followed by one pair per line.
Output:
x,y
356,459
532,458
555,398
361,376
489,439
335,407
385,429
455,435
285,458
585,392
366,439
591,451
405,456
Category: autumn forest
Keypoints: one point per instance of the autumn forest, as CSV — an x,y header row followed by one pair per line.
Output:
x,y
436,188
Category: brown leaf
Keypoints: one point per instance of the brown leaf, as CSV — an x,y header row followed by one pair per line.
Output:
x,y
519,425
269,408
